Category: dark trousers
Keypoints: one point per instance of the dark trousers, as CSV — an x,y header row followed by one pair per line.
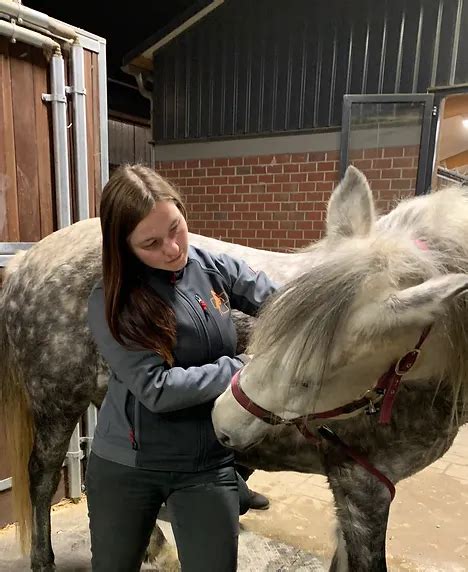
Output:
x,y
124,502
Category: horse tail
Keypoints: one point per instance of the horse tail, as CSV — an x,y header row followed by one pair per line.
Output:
x,y
15,411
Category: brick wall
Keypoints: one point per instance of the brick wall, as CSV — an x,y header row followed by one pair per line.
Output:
x,y
278,202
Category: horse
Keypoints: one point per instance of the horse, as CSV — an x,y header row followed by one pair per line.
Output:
x,y
365,352
51,370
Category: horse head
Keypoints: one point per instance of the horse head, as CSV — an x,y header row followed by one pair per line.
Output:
x,y
325,338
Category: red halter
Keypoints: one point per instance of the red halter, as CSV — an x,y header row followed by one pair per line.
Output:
x,y
385,391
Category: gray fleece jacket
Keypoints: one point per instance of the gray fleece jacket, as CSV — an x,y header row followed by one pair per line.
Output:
x,y
159,417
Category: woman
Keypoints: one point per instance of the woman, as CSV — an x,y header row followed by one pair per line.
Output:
x,y
161,320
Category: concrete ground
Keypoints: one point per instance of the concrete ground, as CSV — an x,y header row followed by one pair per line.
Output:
x,y
428,529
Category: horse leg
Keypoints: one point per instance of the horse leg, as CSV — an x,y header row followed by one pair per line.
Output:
x,y
160,553
340,558
49,451
362,505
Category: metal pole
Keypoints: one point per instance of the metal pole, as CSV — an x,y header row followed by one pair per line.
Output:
x,y
78,93
59,122
74,456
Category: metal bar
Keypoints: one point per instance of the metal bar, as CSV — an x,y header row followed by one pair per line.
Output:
x,y
103,119
74,456
435,55
452,176
90,423
78,92
456,42
5,484
421,183
12,248
417,58
345,133
59,125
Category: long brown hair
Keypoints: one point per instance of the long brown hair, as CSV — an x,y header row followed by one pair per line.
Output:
x,y
136,315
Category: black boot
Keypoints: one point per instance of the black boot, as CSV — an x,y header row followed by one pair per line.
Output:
x,y
258,501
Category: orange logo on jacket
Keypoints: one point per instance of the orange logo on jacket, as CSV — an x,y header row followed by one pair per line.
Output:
x,y
220,302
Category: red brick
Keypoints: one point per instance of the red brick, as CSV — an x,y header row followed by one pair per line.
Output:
x,y
243,170
409,173
273,206
375,153
298,177
274,188
274,168
308,167
228,171
282,178
393,152
186,173
235,180
296,216
214,171
206,162
318,176
220,180
382,163
400,184
299,197
221,162
298,157
391,173
402,162
380,184
280,233
333,156
356,154
265,178
235,161
314,214
271,224
178,165
324,186
411,151
259,169
251,160
265,159
199,172
303,225
250,179
363,164
213,189
325,166
284,158
193,163
280,215
316,156
332,176
291,168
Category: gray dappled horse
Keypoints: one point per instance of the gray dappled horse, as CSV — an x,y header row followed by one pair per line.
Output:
x,y
351,306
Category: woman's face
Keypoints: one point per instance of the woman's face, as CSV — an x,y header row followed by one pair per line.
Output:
x,y
160,240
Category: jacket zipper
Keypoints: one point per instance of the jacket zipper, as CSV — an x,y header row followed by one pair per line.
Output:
x,y
204,330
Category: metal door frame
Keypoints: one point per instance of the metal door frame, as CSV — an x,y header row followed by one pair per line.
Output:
x,y
427,99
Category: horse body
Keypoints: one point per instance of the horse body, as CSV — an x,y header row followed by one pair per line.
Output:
x,y
51,371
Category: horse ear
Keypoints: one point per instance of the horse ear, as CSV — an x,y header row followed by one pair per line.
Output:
x,y
416,306
351,207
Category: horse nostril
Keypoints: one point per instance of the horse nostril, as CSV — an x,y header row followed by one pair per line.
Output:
x,y
223,439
